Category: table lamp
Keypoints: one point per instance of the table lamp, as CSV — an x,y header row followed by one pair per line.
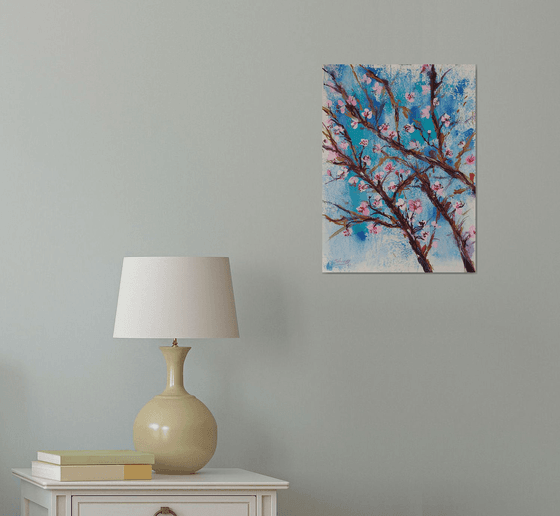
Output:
x,y
173,298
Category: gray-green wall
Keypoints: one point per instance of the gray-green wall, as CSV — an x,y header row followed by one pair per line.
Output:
x,y
138,128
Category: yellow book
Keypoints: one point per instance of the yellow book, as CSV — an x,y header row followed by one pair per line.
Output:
x,y
92,472
72,457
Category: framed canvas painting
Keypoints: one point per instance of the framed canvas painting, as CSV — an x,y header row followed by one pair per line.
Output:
x,y
399,168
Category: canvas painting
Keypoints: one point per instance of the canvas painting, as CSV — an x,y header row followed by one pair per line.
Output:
x,y
399,168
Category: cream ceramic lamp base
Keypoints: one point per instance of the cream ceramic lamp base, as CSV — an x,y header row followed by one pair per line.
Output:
x,y
175,426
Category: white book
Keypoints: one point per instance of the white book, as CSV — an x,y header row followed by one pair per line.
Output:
x,y
63,457
91,471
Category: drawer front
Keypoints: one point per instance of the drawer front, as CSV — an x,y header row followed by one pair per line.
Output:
x,y
218,505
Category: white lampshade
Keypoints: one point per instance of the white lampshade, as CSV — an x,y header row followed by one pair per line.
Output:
x,y
176,297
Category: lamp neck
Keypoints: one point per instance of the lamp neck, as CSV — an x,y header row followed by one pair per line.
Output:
x,y
175,359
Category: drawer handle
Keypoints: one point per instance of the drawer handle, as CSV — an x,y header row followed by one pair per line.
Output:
x,y
165,510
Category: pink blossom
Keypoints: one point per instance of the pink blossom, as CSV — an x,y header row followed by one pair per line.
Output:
x,y
329,173
342,173
351,100
401,204
389,167
343,145
331,156
341,106
425,235
449,153
366,113
338,129
461,144
329,103
425,112
354,124
363,186
377,89
435,244
410,97
470,159
377,148
366,79
409,128
459,207
435,224
392,134
472,232
445,120
437,188
377,201
406,173
392,186
363,208
353,181
425,68
374,229
364,142
379,176
415,206
435,101
425,89
384,128
367,160
414,144
347,232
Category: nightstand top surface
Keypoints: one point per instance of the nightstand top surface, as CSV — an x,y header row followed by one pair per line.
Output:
x,y
206,478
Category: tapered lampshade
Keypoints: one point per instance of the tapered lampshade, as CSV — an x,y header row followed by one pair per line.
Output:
x,y
176,297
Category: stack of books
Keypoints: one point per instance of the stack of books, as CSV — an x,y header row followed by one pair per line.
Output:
x,y
79,465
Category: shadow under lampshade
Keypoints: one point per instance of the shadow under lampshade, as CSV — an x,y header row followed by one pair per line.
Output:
x,y
173,298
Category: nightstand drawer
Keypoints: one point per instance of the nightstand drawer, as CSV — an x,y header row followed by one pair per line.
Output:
x,y
144,505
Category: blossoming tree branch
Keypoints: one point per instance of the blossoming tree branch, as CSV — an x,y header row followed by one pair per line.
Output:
x,y
398,145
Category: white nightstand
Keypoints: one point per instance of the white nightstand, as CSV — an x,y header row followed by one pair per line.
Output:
x,y
210,492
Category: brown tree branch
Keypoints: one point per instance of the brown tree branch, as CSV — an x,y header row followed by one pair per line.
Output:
x,y
442,206
387,87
